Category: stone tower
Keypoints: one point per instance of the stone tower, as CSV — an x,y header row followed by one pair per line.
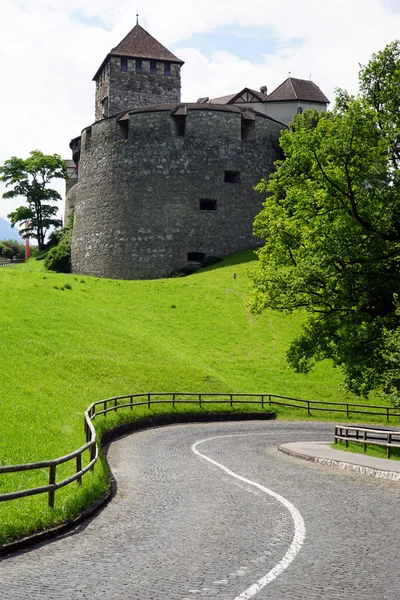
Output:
x,y
138,72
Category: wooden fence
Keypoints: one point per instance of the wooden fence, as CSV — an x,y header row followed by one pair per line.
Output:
x,y
368,435
103,407
10,262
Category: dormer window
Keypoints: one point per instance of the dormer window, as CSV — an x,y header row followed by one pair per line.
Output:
x,y
124,64
153,67
167,69
139,65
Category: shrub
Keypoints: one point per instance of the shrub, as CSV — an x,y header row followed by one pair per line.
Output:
x,y
59,259
17,248
7,252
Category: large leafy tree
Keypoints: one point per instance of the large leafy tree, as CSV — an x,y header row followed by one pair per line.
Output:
x,y
30,178
332,226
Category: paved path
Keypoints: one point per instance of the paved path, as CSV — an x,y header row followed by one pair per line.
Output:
x,y
181,528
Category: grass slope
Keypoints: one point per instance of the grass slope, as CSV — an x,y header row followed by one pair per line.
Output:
x,y
69,340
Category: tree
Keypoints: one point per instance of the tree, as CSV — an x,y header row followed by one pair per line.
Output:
x,y
332,226
30,178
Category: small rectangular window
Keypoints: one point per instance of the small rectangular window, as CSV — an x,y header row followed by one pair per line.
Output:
x,y
167,68
299,110
124,64
180,125
232,176
206,204
196,257
139,65
124,129
153,67
248,129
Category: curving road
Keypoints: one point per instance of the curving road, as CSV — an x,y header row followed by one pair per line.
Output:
x,y
225,525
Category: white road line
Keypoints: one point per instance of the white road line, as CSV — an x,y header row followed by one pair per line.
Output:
x,y
299,526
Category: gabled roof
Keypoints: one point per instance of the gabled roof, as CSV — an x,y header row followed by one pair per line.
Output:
x,y
140,44
247,95
297,89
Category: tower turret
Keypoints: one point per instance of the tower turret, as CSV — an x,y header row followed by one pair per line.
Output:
x,y
138,72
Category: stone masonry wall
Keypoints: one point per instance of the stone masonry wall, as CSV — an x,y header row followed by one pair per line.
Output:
x,y
102,93
137,210
132,90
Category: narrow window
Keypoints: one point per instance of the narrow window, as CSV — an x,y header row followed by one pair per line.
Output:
x,y
232,176
248,129
299,110
153,67
88,140
196,257
180,125
124,129
167,69
139,65
206,204
124,64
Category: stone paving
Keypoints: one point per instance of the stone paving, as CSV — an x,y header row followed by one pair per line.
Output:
x,y
181,529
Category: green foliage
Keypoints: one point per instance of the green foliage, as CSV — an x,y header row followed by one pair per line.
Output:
x,y
7,252
18,249
332,226
59,257
30,177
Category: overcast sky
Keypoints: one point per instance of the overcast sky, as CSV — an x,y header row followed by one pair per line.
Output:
x,y
50,50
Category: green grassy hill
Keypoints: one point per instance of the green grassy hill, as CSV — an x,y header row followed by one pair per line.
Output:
x,y
69,340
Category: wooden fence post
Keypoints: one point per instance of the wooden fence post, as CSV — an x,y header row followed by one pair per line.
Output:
x,y
52,480
79,467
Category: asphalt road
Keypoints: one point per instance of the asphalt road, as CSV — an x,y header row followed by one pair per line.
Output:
x,y
184,528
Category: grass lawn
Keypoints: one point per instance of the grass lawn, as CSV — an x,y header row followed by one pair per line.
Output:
x,y
68,340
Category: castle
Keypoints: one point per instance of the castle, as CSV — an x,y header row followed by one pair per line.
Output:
x,y
161,183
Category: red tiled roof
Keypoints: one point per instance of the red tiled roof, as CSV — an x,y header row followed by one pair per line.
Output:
x,y
297,89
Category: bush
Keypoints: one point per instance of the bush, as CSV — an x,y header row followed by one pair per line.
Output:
x,y
17,248
7,252
59,258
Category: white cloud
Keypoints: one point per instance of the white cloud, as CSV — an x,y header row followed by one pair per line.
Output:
x,y
47,59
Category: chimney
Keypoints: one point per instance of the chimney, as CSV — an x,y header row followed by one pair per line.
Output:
x,y
264,90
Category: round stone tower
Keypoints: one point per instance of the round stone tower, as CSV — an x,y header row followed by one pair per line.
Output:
x,y
165,186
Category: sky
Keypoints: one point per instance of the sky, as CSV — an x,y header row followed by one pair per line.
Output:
x,y
50,50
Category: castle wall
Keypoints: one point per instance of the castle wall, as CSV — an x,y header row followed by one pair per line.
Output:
x,y
103,92
138,212
129,89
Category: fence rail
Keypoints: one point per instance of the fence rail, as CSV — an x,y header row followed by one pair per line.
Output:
x,y
11,261
103,407
364,435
